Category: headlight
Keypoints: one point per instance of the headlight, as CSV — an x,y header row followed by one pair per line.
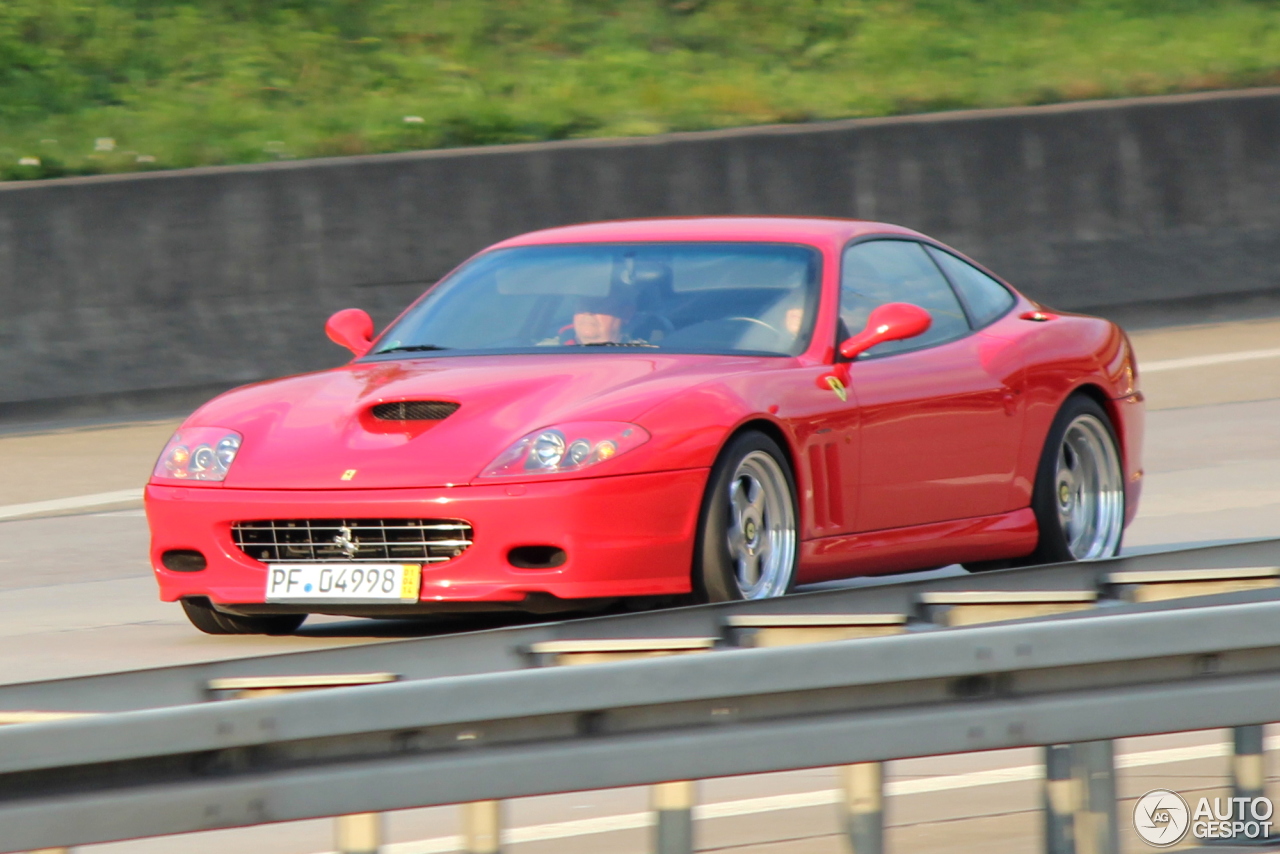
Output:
x,y
198,453
567,448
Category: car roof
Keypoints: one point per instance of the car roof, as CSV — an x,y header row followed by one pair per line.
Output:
x,y
777,229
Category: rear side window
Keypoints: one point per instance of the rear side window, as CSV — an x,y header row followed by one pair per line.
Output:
x,y
882,271
987,299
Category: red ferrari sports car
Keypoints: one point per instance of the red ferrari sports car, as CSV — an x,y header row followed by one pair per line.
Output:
x,y
658,410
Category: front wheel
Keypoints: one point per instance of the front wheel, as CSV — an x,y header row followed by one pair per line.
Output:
x,y
213,622
1079,491
747,533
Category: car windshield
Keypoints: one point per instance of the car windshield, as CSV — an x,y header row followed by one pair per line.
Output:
x,y
755,298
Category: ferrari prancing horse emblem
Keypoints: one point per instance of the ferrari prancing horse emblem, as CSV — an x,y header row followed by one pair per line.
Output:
x,y
837,387
348,474
346,542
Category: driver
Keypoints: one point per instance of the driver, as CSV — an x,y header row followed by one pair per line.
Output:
x,y
603,319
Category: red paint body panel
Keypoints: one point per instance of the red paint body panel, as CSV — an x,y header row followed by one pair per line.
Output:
x,y
929,461
304,432
941,429
1067,354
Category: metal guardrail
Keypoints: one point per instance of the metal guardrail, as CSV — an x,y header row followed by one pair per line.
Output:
x,y
502,649
1017,594
1078,677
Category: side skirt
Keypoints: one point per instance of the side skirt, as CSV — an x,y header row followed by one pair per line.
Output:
x,y
1005,535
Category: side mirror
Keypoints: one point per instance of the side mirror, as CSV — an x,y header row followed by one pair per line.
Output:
x,y
892,321
353,329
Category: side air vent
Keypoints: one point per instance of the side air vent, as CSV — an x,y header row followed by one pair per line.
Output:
x,y
415,410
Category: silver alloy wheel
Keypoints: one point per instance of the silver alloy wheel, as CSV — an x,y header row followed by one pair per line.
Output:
x,y
1089,489
762,527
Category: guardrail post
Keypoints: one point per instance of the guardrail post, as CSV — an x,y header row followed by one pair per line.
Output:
x,y
1248,768
360,833
482,827
673,806
1059,800
1093,766
863,785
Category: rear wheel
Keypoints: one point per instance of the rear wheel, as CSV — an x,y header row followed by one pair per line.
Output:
x,y
1079,491
213,622
747,533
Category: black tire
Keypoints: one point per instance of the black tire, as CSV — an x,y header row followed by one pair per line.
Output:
x,y
212,622
715,569
1053,545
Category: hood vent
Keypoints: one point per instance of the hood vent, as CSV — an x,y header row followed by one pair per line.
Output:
x,y
415,410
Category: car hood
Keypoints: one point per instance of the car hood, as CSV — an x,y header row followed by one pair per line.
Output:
x,y
317,431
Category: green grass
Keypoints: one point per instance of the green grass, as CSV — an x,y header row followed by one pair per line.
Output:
x,y
92,86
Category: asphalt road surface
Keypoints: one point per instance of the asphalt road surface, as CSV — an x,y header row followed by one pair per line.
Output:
x,y
76,597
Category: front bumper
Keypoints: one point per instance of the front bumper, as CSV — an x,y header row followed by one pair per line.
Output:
x,y
624,536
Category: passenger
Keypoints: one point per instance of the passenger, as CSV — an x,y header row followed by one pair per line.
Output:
x,y
786,316
793,320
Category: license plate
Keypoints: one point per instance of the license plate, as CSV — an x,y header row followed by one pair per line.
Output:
x,y
354,582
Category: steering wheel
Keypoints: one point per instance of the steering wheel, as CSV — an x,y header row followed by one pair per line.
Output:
x,y
758,321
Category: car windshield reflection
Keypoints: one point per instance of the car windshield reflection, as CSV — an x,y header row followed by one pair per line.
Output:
x,y
718,298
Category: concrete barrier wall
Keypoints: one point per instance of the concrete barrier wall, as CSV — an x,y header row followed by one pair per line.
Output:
x,y
125,287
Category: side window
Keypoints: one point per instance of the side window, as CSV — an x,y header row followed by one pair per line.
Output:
x,y
882,271
987,299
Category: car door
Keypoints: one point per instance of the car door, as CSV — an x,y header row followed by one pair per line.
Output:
x,y
940,414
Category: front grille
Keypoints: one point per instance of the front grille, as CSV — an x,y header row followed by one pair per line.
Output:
x,y
367,540
415,410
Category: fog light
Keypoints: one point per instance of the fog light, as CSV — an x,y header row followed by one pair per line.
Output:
x,y
183,560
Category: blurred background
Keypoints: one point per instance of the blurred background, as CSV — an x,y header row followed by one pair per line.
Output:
x,y
129,85
368,147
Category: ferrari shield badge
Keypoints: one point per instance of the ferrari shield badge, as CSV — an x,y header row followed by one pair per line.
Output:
x,y
838,387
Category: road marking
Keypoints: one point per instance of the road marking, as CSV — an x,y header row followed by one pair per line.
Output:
x,y
1202,361
801,800
77,502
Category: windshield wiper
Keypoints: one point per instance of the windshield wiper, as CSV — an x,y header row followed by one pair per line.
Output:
x,y
620,344
410,348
